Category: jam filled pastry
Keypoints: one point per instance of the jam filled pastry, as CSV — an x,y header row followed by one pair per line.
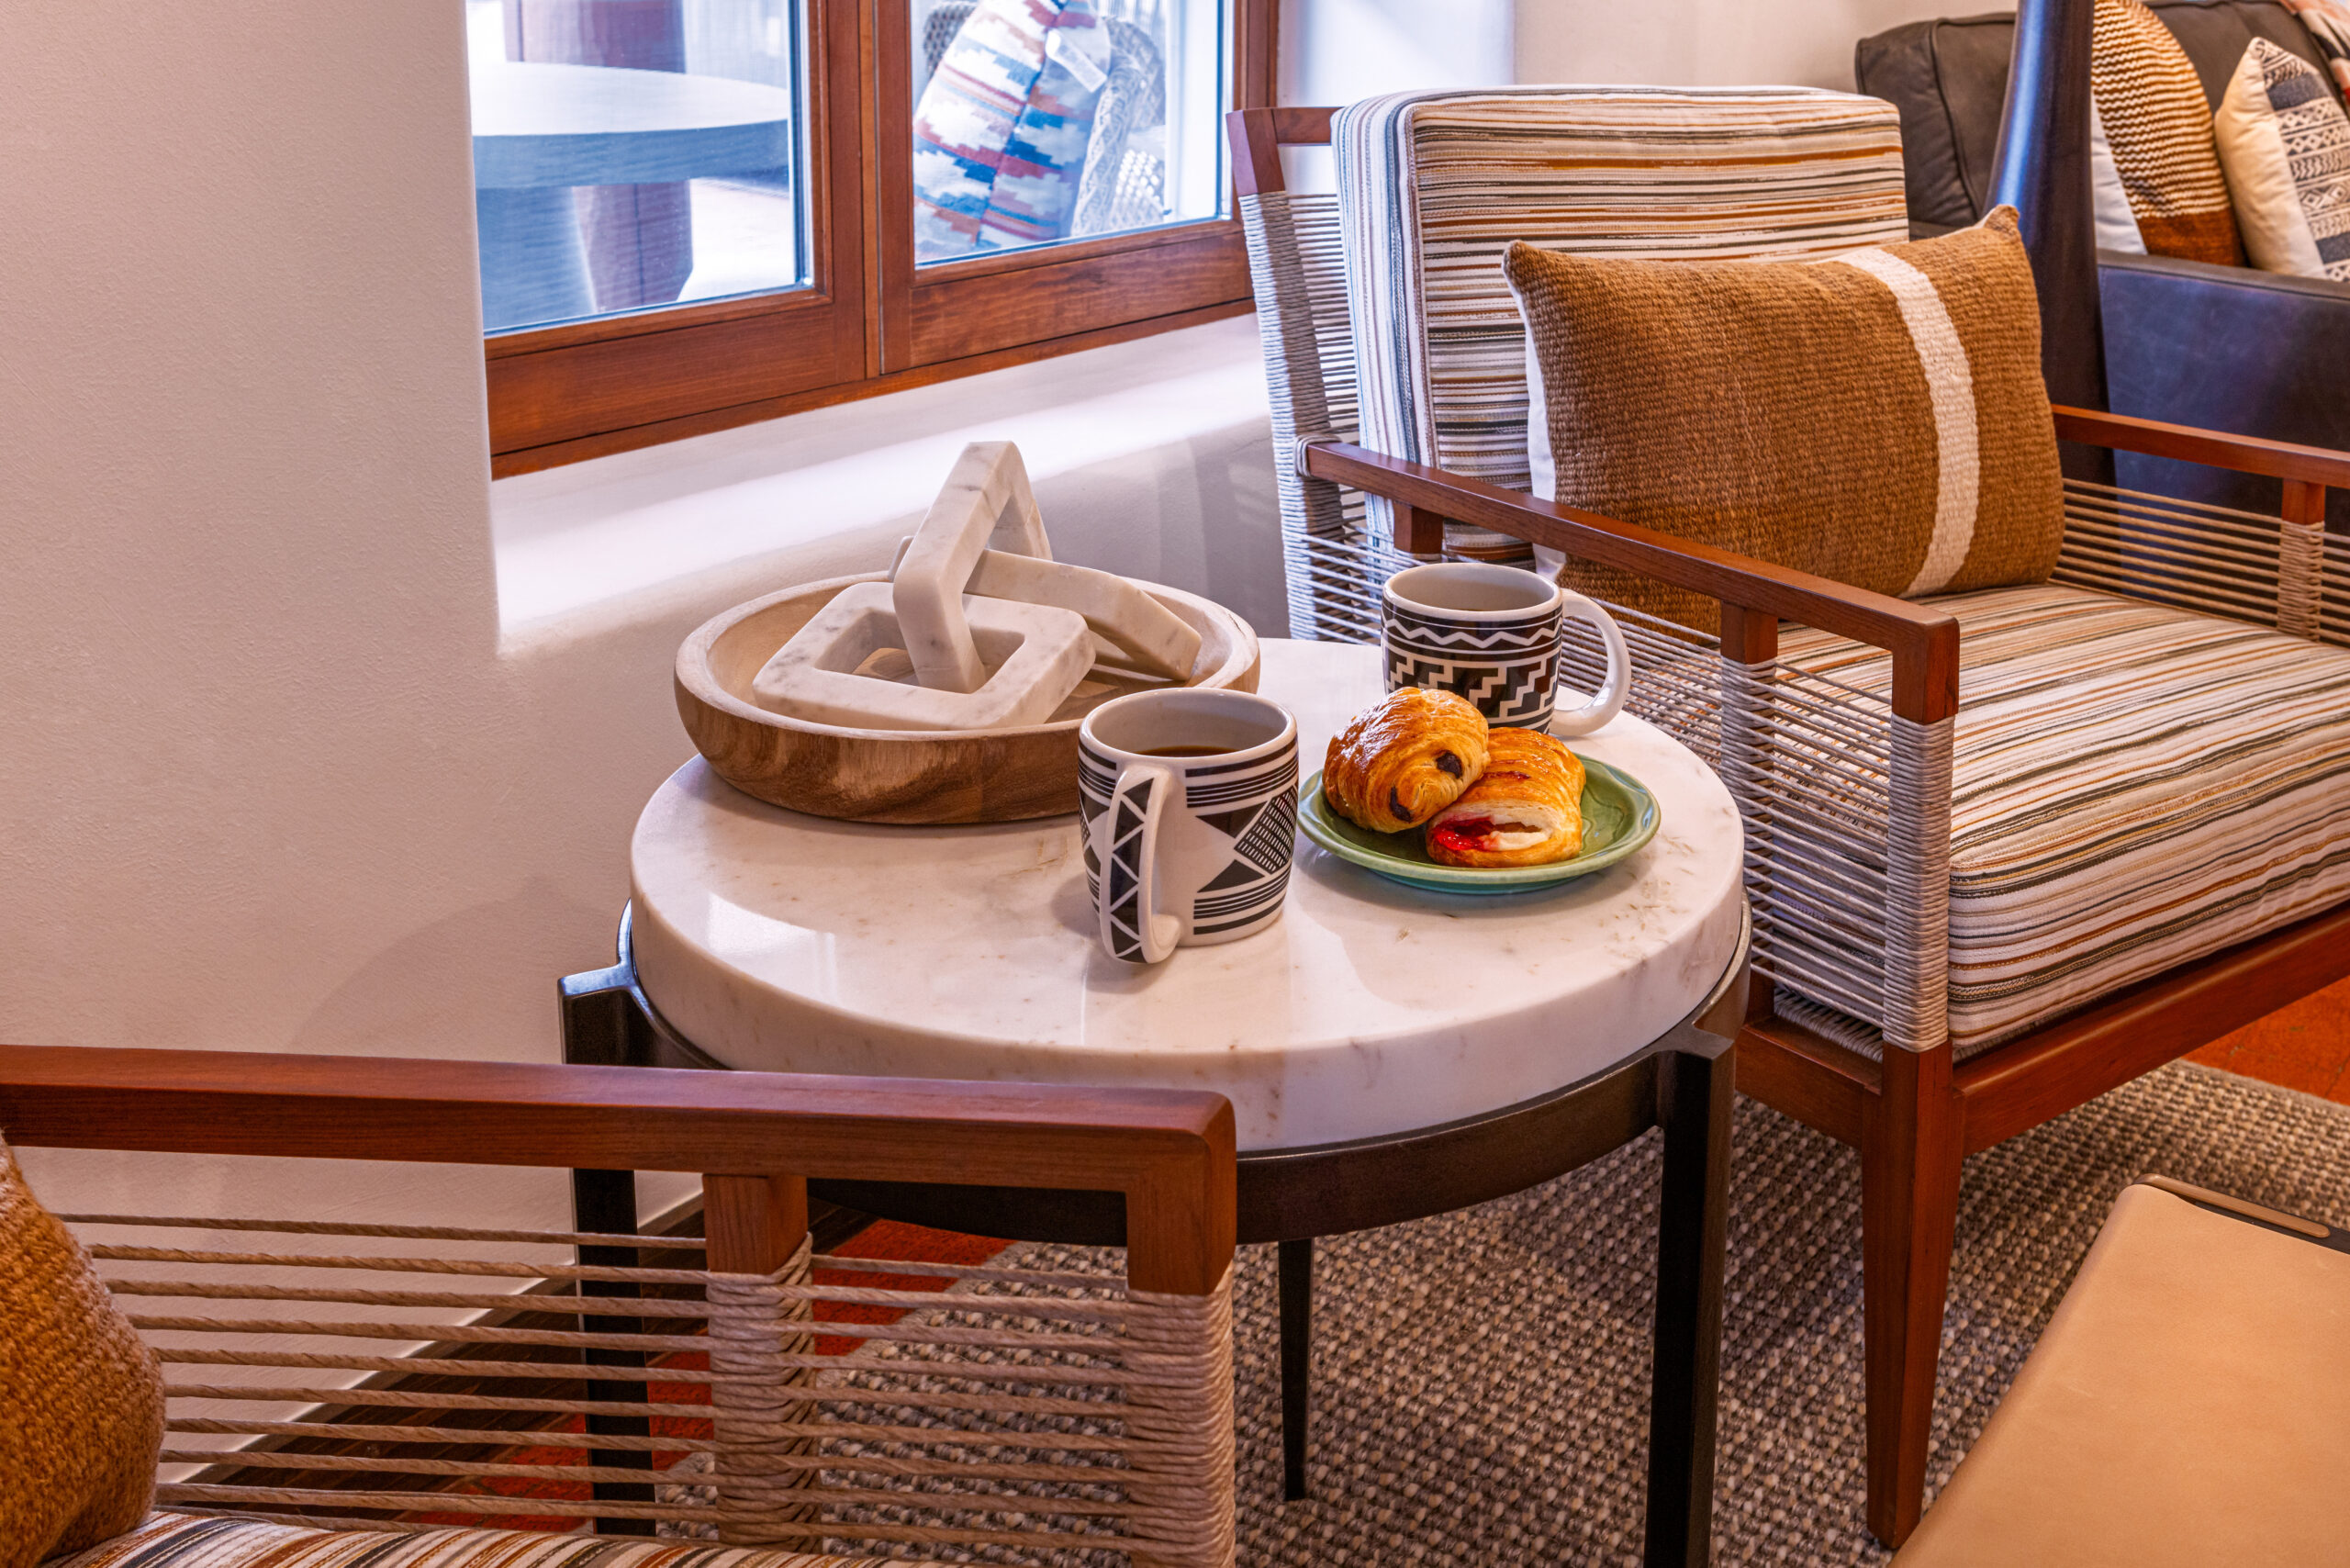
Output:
x,y
1526,809
1400,763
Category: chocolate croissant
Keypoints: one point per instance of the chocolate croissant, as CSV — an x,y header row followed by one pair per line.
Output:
x,y
1526,809
1400,763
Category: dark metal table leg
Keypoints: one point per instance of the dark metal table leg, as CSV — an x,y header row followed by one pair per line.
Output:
x,y
1297,1363
598,1020
605,1201
1693,1106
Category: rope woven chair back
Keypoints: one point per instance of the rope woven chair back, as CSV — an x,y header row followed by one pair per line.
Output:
x,y
1125,183
938,30
349,1376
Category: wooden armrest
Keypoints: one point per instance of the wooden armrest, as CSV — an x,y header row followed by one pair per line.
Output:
x,y
1170,1151
1922,640
2213,449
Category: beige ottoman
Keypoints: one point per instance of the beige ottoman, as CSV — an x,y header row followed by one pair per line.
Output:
x,y
2189,1403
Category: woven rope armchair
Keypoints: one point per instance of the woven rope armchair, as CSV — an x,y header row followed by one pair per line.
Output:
x,y
420,1384
1944,957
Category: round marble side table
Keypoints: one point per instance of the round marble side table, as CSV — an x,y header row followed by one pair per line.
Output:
x,y
1390,1053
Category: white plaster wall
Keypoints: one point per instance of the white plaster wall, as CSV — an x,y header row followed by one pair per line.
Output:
x,y
1707,42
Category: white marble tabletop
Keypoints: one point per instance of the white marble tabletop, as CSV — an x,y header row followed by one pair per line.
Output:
x,y
790,943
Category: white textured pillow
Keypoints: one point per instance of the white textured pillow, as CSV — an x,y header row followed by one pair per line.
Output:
x,y
2285,144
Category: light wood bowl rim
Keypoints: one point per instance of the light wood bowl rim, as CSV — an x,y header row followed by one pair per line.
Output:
x,y
694,673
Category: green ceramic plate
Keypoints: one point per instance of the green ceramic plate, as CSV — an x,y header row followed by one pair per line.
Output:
x,y
1620,815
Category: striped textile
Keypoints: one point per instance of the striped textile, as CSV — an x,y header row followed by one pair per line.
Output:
x,y
183,1540
1435,186
2134,786
2328,22
1001,131
2159,125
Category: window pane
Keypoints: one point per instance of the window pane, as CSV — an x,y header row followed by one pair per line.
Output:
x,y
630,154
1037,121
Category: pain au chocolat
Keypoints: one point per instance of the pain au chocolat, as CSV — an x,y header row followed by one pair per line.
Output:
x,y
1401,762
1526,807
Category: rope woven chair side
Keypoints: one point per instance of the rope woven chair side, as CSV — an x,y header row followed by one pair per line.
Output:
x,y
1009,1410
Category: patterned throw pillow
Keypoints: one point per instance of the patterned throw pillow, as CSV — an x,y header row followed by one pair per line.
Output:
x,y
1001,133
2160,129
81,1396
1877,417
2285,146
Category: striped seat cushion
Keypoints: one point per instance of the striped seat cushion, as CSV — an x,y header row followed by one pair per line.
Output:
x,y
1435,186
181,1541
2134,786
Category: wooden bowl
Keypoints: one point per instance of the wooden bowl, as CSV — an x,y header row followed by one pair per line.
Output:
x,y
905,776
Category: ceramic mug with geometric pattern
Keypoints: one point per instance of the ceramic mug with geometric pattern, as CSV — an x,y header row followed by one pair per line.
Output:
x,y
1491,634
1188,801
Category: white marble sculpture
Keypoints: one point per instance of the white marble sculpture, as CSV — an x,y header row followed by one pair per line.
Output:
x,y
997,633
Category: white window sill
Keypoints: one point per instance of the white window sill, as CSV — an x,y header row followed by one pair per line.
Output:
x,y
707,521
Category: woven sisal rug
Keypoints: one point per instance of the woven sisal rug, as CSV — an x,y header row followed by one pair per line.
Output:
x,y
1481,1379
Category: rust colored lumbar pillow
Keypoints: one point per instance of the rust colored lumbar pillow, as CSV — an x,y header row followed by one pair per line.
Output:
x,y
81,1396
2159,125
1877,418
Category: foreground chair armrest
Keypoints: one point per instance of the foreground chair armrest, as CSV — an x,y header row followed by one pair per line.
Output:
x,y
809,1439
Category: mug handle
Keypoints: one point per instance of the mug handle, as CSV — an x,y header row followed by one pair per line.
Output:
x,y
1131,926
1609,700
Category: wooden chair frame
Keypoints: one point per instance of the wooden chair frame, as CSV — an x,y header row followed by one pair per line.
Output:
x,y
755,1137
1916,1114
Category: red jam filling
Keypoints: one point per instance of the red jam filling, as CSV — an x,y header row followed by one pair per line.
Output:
x,y
1461,836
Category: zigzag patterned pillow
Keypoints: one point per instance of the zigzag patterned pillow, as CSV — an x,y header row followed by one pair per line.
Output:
x,y
2285,146
2159,125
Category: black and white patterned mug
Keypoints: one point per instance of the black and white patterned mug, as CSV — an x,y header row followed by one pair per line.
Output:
x,y
1188,801
1491,634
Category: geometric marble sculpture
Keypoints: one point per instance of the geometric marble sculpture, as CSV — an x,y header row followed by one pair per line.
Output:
x,y
1041,651
985,504
994,631
1152,639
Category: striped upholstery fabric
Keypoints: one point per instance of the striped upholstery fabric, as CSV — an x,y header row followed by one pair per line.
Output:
x,y
2159,125
2134,786
1435,186
181,1541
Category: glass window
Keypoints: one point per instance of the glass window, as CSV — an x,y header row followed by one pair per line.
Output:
x,y
633,154
1040,121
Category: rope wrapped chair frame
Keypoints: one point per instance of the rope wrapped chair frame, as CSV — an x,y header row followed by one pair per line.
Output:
x,y
348,1376
1844,784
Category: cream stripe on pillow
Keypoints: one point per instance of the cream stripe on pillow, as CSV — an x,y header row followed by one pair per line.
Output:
x,y
1950,383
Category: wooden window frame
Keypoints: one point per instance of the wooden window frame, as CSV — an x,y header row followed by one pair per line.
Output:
x,y
870,321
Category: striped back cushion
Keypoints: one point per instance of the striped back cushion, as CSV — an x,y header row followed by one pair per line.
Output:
x,y
1435,186
2159,125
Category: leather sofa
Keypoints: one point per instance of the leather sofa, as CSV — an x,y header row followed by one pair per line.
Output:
x,y
2219,348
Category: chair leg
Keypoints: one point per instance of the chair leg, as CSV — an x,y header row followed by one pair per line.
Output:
x,y
1911,1146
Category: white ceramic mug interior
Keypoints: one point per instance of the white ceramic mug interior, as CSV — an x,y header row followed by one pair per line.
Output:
x,y
1240,724
1186,850
1473,591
